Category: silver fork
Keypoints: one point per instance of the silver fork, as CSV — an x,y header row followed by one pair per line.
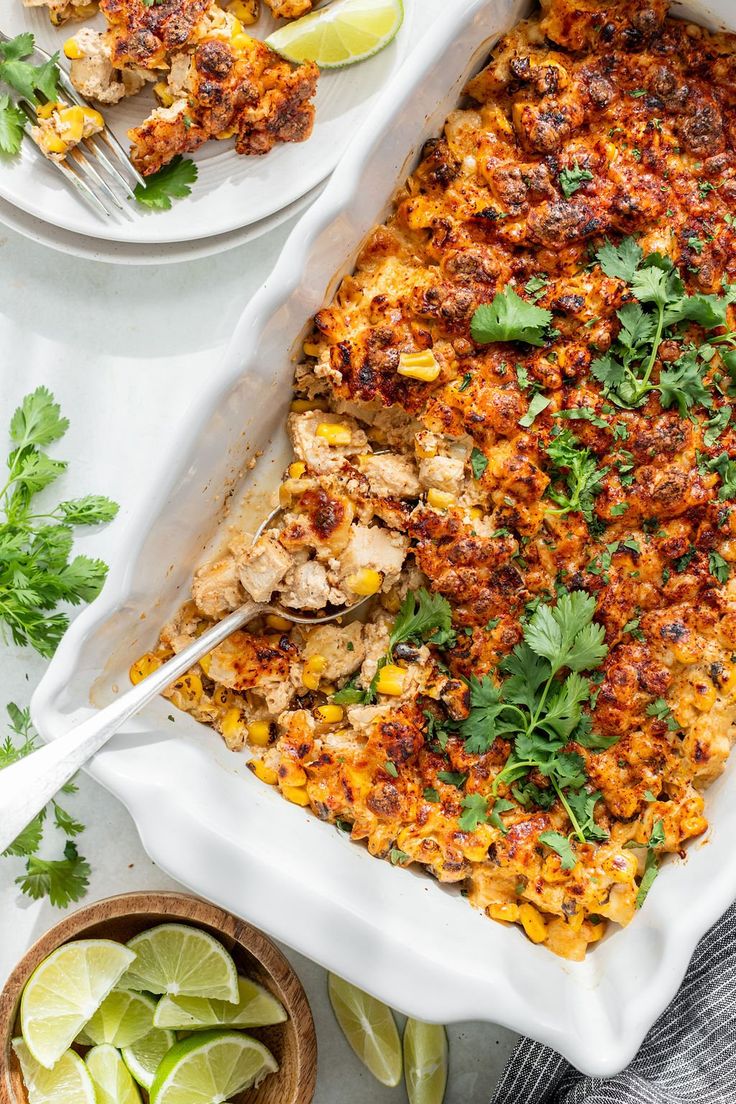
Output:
x,y
83,175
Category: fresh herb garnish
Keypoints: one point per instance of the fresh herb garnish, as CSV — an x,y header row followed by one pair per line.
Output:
x,y
537,709
573,178
510,318
651,867
537,404
171,182
561,844
61,880
36,574
423,618
475,812
12,123
22,75
579,469
478,463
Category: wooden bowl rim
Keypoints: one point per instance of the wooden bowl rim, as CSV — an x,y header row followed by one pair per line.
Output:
x,y
165,903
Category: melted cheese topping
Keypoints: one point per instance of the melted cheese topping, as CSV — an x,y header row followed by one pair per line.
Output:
x,y
385,483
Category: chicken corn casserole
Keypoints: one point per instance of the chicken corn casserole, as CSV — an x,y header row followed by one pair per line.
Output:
x,y
513,429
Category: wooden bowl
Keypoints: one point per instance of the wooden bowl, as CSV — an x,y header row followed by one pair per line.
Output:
x,y
293,1043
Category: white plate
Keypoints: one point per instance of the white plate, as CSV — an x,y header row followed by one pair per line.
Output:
x,y
231,191
209,823
134,253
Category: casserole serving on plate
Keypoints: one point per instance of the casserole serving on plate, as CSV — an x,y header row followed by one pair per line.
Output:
x,y
594,1012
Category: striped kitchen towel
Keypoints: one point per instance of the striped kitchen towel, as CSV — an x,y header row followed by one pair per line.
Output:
x,y
689,1056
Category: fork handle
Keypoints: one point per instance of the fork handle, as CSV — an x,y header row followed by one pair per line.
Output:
x,y
27,786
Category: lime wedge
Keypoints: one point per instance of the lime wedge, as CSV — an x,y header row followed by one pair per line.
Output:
x,y
210,1067
346,32
65,991
111,1076
425,1062
121,1019
255,1008
181,961
144,1057
370,1029
67,1083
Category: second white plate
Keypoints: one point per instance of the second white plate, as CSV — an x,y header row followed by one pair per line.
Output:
x,y
231,191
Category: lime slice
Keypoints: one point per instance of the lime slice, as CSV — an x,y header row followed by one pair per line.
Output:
x,y
425,1062
121,1019
255,1008
67,1083
144,1057
342,34
65,991
111,1076
210,1067
370,1029
181,961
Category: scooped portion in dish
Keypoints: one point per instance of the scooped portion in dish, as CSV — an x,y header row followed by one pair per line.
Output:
x,y
513,427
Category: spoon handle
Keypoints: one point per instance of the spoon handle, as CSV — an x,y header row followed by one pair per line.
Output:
x,y
27,786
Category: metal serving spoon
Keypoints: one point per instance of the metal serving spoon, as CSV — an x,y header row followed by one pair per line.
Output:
x,y
27,786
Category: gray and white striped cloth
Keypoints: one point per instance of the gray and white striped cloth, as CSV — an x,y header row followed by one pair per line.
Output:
x,y
689,1055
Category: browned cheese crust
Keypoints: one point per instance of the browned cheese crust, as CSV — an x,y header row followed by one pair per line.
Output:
x,y
646,107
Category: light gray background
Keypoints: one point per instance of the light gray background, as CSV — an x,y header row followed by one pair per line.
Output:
x,y
126,351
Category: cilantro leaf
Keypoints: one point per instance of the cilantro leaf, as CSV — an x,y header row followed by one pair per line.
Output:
x,y
478,463
651,867
475,812
29,840
565,634
500,805
561,844
573,178
38,420
583,805
510,318
682,384
537,404
12,125
66,823
28,79
89,510
423,618
620,261
172,181
726,468
453,778
61,880
719,567
479,727
716,425
582,476
19,47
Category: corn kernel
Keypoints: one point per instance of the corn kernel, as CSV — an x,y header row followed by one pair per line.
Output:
x,y
425,445
313,669
266,774
704,696
44,111
310,349
186,691
53,143
244,10
334,434
93,117
280,624
365,582
508,911
301,406
232,725
225,134
296,794
143,667
73,50
621,867
597,931
330,714
206,662
73,120
391,680
532,923
475,513
297,469
240,42
163,93
476,852
693,826
439,500
259,733
419,366
291,773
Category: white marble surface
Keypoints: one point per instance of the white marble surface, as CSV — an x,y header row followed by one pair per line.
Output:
x,y
126,350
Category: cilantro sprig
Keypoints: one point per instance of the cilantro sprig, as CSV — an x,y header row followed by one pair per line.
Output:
x,y
508,317
37,574
579,479
573,178
651,866
539,708
29,80
61,880
660,305
173,181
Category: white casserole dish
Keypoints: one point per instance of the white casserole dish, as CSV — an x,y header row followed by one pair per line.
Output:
x,y
208,822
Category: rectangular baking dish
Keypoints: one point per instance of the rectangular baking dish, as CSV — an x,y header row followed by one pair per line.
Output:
x,y
205,819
